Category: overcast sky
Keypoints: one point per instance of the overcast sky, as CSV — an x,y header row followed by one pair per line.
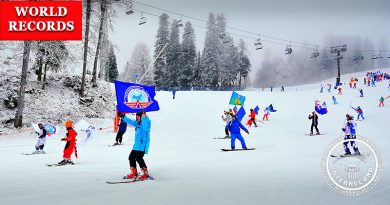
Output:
x,y
306,21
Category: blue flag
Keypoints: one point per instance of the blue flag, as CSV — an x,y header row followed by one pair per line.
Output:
x,y
256,110
271,108
241,113
132,98
237,99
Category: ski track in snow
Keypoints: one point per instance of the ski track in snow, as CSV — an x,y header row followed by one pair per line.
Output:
x,y
188,164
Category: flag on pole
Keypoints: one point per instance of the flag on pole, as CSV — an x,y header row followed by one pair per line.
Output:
x,y
241,113
237,99
132,97
256,110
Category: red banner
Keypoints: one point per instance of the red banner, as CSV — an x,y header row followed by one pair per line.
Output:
x,y
41,20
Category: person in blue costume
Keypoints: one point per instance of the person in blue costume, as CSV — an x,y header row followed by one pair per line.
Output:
x,y
234,128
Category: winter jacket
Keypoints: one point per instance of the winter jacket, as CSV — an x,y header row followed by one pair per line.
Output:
x,y
70,142
382,99
350,127
314,119
122,126
253,114
227,119
235,126
358,110
142,133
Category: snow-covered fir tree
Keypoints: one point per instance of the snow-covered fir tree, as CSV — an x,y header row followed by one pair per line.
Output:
x,y
162,38
111,66
244,64
188,49
209,62
136,67
173,56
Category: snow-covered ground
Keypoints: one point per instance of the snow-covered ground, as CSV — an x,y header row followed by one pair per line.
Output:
x,y
188,164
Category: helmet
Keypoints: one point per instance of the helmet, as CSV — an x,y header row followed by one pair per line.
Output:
x,y
68,124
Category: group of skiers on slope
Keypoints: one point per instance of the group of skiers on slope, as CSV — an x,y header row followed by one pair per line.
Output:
x,y
70,145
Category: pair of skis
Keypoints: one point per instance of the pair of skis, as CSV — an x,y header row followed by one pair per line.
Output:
x,y
126,181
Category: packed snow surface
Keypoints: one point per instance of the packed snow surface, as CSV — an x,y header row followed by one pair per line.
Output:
x,y
188,163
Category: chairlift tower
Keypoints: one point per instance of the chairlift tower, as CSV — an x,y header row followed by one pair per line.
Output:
x,y
338,50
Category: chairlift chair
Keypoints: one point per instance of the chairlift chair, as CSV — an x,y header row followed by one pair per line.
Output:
x,y
374,57
258,44
388,56
129,8
288,50
379,55
180,22
142,20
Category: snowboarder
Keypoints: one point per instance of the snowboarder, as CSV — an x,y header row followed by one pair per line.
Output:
x,y
361,92
227,119
173,93
70,144
252,118
359,111
314,123
234,128
41,139
334,100
121,131
142,126
266,113
340,91
350,133
381,102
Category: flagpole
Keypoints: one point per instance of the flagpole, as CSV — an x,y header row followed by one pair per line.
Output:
x,y
154,60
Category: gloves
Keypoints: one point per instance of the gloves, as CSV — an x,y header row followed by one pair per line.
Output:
x,y
63,139
343,129
247,132
36,132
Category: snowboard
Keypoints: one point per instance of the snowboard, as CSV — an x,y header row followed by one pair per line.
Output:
x,y
126,181
232,150
32,153
222,137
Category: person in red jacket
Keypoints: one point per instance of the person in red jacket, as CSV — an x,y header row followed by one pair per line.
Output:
x,y
340,91
70,144
252,118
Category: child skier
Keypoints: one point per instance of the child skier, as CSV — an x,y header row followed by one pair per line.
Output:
x,y
252,118
381,102
359,111
350,133
266,113
142,126
314,123
122,129
70,144
227,119
334,100
234,127
41,140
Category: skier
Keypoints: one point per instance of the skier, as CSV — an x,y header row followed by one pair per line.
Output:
x,y
340,91
381,102
334,100
329,87
70,144
314,123
282,90
234,128
252,118
359,111
227,119
173,93
41,139
271,88
122,129
365,81
266,113
322,89
142,126
373,83
361,92
350,133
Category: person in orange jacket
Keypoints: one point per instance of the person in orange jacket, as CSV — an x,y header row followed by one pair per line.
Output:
x,y
70,144
252,118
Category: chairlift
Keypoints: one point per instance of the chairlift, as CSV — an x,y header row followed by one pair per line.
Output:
x,y
374,57
225,40
258,44
288,49
129,8
379,55
359,57
142,20
315,54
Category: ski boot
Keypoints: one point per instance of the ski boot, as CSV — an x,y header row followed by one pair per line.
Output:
x,y
133,174
145,174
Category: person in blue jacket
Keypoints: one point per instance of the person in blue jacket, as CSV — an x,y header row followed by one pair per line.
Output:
x,y
142,125
121,131
173,93
234,128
